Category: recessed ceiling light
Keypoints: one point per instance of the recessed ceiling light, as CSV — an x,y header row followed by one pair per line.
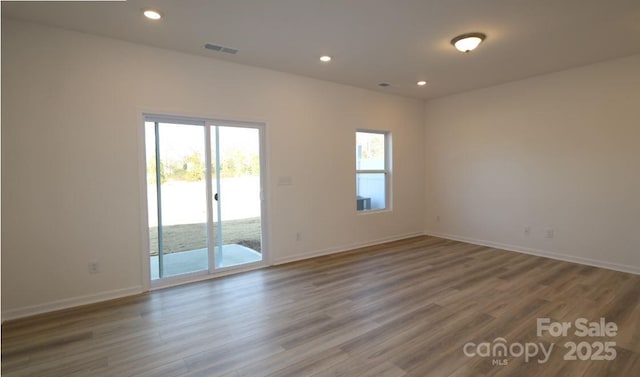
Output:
x,y
468,42
152,14
421,83
325,58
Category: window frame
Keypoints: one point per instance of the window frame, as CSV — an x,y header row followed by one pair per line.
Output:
x,y
386,171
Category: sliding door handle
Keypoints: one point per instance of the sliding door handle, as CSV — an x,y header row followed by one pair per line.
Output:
x,y
216,196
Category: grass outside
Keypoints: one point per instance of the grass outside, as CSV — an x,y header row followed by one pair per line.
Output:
x,y
185,237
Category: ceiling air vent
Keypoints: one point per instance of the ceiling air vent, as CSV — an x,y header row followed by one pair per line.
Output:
x,y
226,50
229,50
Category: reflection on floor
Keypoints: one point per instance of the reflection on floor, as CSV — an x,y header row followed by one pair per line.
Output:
x,y
197,260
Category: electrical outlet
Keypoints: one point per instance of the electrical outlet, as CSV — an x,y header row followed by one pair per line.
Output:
x,y
438,218
94,268
298,236
527,230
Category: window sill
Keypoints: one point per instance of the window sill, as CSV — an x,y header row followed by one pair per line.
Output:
x,y
373,211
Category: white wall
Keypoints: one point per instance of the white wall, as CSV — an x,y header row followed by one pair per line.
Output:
x,y
70,136
558,151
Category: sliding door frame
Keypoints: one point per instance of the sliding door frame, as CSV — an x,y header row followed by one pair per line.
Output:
x,y
210,124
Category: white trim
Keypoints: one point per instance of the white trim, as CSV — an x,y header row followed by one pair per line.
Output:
x,y
187,121
372,211
119,293
211,238
388,162
540,253
144,210
178,115
345,248
217,239
68,303
264,194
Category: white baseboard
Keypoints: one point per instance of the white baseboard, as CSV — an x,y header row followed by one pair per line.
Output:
x,y
540,253
341,249
119,293
69,303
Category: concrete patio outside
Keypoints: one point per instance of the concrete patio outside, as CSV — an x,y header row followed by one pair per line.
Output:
x,y
184,262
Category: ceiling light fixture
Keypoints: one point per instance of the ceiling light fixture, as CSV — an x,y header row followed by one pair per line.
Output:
x,y
468,42
421,83
325,58
152,14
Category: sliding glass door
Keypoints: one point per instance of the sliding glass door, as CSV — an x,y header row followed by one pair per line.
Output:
x,y
204,195
238,195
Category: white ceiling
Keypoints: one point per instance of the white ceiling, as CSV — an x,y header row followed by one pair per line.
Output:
x,y
371,41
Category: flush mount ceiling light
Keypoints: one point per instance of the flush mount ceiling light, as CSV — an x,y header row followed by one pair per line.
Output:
x,y
152,14
468,42
421,83
325,58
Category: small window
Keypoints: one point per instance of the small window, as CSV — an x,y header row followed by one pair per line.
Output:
x,y
372,170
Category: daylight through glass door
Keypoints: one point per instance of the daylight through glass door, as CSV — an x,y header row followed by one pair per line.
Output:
x,y
204,197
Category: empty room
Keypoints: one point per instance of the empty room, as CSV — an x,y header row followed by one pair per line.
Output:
x,y
320,188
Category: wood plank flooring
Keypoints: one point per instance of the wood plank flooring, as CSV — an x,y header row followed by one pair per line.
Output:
x,y
405,308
